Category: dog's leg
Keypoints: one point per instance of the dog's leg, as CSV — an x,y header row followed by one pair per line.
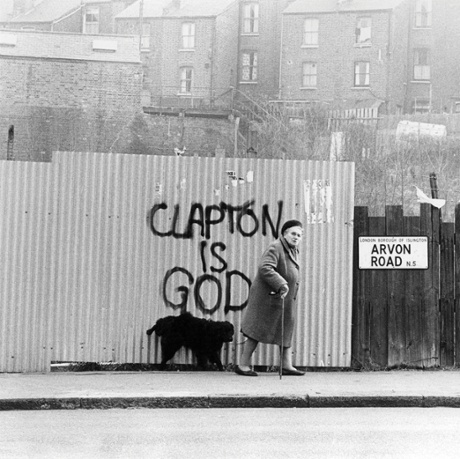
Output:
x,y
215,358
202,361
168,350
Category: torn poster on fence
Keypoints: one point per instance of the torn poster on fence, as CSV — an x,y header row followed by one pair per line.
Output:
x,y
234,178
318,201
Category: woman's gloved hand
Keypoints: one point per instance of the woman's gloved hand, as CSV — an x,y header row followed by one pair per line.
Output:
x,y
283,291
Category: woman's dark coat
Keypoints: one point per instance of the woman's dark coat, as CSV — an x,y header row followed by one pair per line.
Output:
x,y
262,318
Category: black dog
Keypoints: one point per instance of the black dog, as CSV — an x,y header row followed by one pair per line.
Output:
x,y
204,337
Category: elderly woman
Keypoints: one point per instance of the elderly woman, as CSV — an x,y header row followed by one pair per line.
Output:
x,y
276,279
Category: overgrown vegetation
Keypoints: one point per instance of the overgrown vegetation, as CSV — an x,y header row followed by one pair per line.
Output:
x,y
388,169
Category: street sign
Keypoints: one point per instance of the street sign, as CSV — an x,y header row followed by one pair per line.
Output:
x,y
393,252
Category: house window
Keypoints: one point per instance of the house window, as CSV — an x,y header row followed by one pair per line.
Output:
x,y
251,18
145,39
421,105
310,32
363,30
423,13
362,73
249,68
309,75
188,35
421,64
186,75
91,20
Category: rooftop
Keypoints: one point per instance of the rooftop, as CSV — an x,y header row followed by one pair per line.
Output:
x,y
173,9
51,45
329,6
49,11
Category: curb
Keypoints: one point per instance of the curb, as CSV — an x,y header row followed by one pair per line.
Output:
x,y
238,401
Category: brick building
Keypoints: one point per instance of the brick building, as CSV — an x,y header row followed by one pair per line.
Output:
x,y
433,79
47,15
189,50
204,57
259,47
66,92
345,53
73,16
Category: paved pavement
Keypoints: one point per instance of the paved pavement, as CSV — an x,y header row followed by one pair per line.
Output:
x,y
110,389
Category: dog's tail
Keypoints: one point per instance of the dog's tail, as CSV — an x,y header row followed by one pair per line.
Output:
x,y
162,325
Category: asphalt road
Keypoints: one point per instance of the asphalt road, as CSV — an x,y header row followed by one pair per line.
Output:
x,y
232,433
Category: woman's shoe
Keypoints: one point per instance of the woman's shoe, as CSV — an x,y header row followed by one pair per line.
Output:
x,y
293,372
241,372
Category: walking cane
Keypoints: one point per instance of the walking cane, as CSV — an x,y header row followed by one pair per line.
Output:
x,y
282,339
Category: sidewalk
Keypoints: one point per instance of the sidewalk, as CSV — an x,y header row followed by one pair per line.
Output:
x,y
195,389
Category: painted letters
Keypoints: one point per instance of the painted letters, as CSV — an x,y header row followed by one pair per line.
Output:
x,y
217,279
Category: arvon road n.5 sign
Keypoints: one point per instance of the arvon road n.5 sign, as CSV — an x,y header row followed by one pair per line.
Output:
x,y
393,252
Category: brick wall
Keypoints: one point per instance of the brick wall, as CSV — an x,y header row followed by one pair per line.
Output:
x,y
214,58
173,57
335,57
161,134
57,104
396,58
419,38
225,50
445,75
40,130
267,44
107,13
70,83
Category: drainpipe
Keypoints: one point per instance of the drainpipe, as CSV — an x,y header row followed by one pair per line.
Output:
x,y
389,59
235,143
211,65
409,54
281,58
141,20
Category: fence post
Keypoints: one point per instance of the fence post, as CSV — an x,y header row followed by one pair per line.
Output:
x,y
457,285
413,283
447,295
429,226
396,313
360,346
377,297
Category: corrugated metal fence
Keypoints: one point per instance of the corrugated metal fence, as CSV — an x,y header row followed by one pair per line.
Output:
x,y
96,247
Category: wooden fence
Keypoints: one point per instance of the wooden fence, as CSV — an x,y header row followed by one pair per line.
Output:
x,y
408,317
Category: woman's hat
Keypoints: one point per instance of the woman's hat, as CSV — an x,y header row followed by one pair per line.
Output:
x,y
290,224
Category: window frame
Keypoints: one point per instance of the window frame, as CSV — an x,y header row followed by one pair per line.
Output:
x,y
358,31
419,69
313,77
310,36
422,19
252,66
185,80
145,36
250,18
357,75
94,11
188,35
